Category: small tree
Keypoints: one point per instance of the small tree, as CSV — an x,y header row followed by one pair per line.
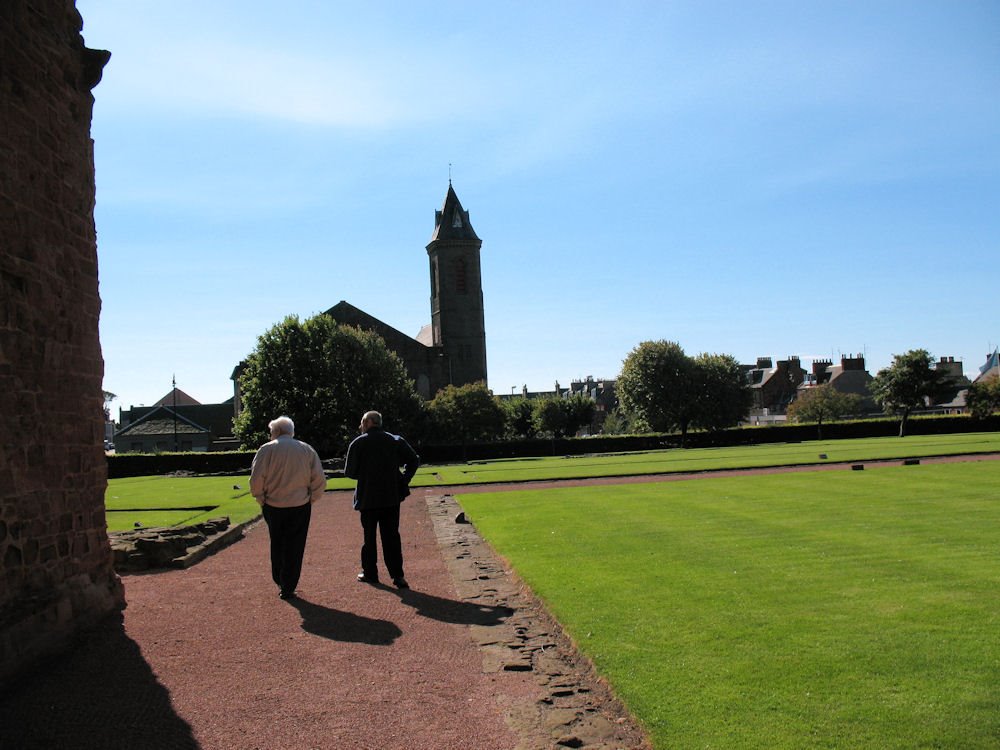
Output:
x,y
907,384
656,385
619,422
466,413
579,412
324,376
722,396
550,416
519,416
108,398
983,397
823,403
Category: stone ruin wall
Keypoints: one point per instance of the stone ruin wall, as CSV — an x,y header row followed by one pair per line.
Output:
x,y
57,576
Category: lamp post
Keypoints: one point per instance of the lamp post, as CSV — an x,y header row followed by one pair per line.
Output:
x,y
174,383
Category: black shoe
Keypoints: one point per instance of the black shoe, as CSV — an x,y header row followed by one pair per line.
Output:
x,y
365,578
400,583
286,594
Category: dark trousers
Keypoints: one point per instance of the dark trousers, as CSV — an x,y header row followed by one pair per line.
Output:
x,y
288,528
386,522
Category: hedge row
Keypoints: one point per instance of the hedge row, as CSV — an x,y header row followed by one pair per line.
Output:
x,y
237,462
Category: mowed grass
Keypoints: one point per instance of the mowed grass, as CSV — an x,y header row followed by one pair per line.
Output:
x,y
806,610
697,459
176,501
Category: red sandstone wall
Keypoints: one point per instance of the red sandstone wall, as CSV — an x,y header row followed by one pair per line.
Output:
x,y
56,561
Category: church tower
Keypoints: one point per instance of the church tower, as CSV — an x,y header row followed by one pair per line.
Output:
x,y
457,317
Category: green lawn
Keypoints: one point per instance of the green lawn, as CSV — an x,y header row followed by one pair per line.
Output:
x,y
699,459
134,499
175,501
826,609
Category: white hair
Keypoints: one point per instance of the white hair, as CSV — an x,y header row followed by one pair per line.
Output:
x,y
281,426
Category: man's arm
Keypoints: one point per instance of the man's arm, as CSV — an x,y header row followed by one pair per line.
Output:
x,y
317,479
258,476
351,462
408,459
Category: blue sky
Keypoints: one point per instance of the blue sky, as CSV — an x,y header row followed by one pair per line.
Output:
x,y
757,179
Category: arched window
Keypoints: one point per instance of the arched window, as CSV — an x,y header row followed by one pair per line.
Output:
x,y
461,285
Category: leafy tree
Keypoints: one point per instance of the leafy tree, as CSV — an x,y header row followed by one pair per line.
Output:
x,y
108,398
579,412
656,385
983,397
664,389
466,413
907,384
324,376
619,422
563,416
550,416
722,395
519,415
823,403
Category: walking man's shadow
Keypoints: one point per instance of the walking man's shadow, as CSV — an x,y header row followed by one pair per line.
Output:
x,y
344,626
450,610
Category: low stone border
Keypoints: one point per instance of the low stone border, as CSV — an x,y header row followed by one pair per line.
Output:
x,y
577,708
172,547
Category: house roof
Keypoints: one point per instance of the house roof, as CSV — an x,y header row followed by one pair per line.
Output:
x,y
162,421
991,367
182,399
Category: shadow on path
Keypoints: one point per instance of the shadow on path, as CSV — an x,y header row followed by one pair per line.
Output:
x,y
450,610
344,626
101,694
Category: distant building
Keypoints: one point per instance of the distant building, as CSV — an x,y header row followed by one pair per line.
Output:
x,y
175,422
991,368
600,390
957,387
451,349
850,376
772,387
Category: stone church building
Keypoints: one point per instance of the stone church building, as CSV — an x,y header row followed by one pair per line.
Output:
x,y
451,349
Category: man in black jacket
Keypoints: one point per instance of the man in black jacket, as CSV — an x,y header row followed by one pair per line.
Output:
x,y
375,458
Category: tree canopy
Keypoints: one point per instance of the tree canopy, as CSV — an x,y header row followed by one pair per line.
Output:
x,y
983,397
722,397
519,415
563,416
907,384
823,403
466,413
324,376
665,389
656,385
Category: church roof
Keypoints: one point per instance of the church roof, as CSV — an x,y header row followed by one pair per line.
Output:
x,y
345,312
452,221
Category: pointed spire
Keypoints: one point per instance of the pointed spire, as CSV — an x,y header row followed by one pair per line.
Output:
x,y
452,221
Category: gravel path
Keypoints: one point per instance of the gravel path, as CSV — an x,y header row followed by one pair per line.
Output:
x,y
210,657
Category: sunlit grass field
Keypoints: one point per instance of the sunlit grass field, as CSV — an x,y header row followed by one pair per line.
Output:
x,y
806,610
177,501
170,501
698,459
